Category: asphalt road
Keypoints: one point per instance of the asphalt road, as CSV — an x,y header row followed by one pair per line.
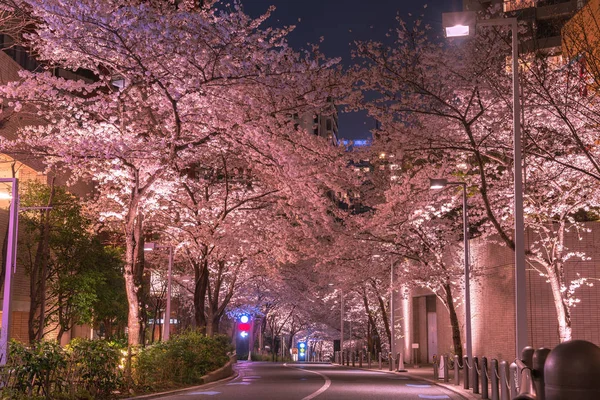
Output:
x,y
276,381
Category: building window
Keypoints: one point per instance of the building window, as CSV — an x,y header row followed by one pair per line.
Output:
x,y
329,124
511,5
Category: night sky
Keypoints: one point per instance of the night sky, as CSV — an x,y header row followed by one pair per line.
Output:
x,y
341,22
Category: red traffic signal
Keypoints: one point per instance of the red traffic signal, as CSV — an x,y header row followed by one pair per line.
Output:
x,y
244,325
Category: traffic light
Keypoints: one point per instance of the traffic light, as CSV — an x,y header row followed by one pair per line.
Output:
x,y
301,351
244,326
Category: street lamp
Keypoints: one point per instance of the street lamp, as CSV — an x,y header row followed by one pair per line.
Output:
x,y
13,229
463,24
167,320
439,184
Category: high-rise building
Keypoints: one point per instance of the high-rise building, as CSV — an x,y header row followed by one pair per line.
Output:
x,y
545,18
323,123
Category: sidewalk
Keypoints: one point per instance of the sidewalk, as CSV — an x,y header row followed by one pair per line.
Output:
x,y
424,372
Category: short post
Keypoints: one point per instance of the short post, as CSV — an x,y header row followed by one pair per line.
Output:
x,y
446,370
504,389
456,371
353,359
436,373
539,360
466,371
572,371
475,373
514,380
494,379
360,360
391,362
347,358
369,359
484,378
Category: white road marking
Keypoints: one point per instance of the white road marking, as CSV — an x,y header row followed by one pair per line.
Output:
x,y
238,383
429,396
322,389
417,386
206,393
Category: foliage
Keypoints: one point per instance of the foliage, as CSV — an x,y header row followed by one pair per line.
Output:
x,y
86,369
184,359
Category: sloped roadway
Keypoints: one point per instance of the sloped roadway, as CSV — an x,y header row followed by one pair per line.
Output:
x,y
305,381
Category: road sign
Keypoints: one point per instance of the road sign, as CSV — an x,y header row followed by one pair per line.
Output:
x,y
294,351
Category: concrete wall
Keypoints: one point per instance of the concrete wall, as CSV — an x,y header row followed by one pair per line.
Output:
x,y
492,301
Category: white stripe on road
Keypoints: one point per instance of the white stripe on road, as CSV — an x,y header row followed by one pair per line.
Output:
x,y
323,388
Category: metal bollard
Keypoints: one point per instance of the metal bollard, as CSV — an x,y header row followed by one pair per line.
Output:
x,y
572,371
475,374
504,389
466,372
380,361
446,375
514,380
456,371
436,373
369,359
494,376
484,378
538,362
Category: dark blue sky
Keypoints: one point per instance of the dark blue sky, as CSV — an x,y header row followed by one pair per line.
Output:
x,y
341,22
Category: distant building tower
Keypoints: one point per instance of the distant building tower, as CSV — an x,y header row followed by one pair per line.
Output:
x,y
545,18
323,123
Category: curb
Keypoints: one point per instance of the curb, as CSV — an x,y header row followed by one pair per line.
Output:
x,y
211,379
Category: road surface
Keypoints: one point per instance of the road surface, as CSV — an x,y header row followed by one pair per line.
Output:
x,y
277,381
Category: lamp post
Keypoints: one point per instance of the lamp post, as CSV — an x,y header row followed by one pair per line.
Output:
x,y
439,184
167,319
10,266
463,24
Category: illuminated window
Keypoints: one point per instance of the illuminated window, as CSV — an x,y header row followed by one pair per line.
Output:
x,y
511,5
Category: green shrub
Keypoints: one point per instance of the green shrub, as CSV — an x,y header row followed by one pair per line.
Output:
x,y
183,360
85,369
95,364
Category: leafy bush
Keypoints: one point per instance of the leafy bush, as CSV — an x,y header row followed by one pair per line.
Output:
x,y
85,369
184,359
95,363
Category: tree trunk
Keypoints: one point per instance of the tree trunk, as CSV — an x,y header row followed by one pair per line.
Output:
x,y
563,312
201,279
133,274
456,341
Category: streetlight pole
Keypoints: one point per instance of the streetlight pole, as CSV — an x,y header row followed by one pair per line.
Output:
x,y
341,323
439,184
10,266
167,322
392,317
463,24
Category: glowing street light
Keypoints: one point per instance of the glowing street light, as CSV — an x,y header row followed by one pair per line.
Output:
x,y
454,24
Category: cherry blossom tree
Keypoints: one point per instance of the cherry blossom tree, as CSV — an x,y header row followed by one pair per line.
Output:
x,y
447,105
171,81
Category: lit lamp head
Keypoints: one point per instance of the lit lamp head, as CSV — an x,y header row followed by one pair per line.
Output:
x,y
457,24
437,183
149,246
